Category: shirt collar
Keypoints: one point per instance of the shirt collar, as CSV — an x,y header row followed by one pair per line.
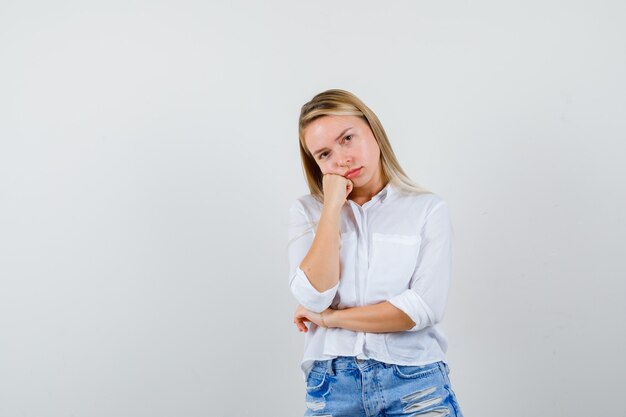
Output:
x,y
386,191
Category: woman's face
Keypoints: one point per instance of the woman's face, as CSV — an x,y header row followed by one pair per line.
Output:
x,y
341,144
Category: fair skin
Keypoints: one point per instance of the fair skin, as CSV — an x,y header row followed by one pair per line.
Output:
x,y
340,144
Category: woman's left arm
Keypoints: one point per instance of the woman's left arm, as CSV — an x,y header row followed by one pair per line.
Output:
x,y
376,318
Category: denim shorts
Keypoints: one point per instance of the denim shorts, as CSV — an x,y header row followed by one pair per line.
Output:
x,y
350,387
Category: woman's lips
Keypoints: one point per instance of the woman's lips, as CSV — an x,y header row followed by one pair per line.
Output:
x,y
353,173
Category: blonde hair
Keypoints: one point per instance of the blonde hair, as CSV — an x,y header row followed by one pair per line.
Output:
x,y
337,102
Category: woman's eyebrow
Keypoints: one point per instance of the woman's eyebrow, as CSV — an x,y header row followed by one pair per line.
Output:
x,y
338,137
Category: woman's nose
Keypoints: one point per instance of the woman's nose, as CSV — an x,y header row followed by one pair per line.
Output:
x,y
344,161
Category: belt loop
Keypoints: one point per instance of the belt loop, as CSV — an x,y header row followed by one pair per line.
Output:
x,y
329,367
444,367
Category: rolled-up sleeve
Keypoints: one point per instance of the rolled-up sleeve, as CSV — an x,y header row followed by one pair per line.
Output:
x,y
301,234
425,299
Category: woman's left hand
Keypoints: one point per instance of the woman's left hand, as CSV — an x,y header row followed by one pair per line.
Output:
x,y
303,315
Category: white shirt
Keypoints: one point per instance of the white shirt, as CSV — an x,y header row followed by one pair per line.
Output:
x,y
396,248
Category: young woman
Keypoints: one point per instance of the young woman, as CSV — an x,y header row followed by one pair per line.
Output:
x,y
370,264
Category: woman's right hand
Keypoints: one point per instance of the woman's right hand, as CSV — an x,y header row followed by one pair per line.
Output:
x,y
336,189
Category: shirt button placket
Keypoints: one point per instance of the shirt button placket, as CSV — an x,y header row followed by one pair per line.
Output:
x,y
364,269
364,257
359,215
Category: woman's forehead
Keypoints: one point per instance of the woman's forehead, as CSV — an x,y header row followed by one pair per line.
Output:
x,y
326,128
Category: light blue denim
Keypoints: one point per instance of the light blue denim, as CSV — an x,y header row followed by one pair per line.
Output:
x,y
350,387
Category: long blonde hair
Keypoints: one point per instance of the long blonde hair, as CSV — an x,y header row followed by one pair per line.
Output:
x,y
337,102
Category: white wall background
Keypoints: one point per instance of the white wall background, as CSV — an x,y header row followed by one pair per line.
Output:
x,y
148,156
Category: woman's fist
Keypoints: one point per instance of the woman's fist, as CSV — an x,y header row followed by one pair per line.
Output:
x,y
336,189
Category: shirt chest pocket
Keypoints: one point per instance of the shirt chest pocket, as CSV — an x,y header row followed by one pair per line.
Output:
x,y
393,261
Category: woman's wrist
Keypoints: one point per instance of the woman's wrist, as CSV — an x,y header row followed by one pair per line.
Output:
x,y
329,318
332,209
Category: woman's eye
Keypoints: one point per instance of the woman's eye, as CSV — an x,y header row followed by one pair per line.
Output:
x,y
349,137
322,155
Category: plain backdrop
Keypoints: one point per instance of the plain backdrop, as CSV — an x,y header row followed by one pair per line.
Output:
x,y
149,154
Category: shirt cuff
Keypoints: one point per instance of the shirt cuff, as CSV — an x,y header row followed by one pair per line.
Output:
x,y
308,296
415,307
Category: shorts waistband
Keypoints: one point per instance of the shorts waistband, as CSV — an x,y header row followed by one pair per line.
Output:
x,y
348,362
352,362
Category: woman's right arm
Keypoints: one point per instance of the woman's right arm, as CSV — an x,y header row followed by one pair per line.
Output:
x,y
314,258
321,263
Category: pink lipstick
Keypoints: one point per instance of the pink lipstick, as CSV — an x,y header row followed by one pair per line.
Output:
x,y
353,173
